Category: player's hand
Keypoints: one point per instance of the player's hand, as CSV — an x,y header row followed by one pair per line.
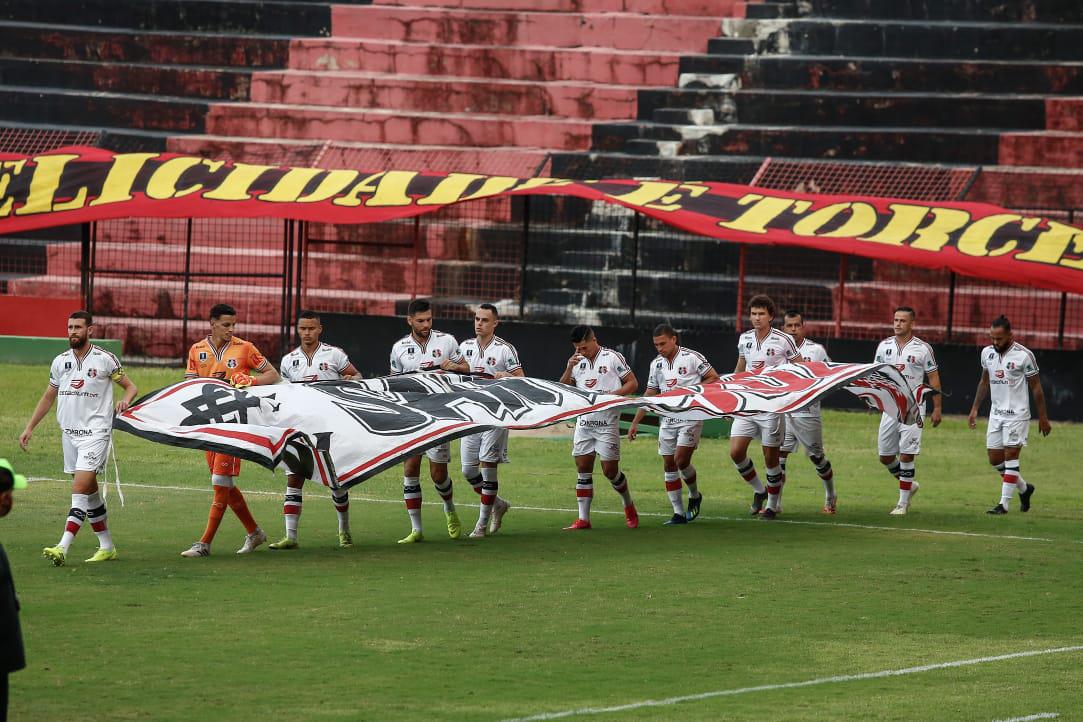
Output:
x,y
1043,426
936,418
122,406
632,432
576,358
449,365
501,374
241,380
24,439
972,420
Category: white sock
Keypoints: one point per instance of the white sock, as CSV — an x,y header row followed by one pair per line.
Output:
x,y
584,494
620,485
489,487
341,500
443,488
688,473
76,517
826,474
98,518
747,470
411,494
906,479
291,511
1011,469
673,490
774,487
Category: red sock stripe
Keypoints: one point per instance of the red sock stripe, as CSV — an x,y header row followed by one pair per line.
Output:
x,y
72,527
291,510
774,489
673,485
98,526
905,485
488,500
584,492
342,507
413,503
750,475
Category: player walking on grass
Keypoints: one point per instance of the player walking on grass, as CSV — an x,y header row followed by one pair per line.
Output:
x,y
676,367
425,349
81,382
1008,369
806,427
486,353
221,355
313,360
758,350
899,444
602,370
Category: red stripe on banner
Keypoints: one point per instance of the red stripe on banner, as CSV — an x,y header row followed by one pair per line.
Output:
x,y
401,447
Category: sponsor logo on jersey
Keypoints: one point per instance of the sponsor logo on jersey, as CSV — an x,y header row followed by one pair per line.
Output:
x,y
231,363
591,383
77,383
78,432
757,365
671,383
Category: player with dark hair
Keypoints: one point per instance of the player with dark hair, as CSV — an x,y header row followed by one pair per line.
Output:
x,y
806,427
82,379
1009,369
221,355
676,367
899,443
593,367
761,349
489,354
425,349
313,360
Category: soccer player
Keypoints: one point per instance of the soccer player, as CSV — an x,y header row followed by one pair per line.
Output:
x,y
807,425
221,355
900,443
313,360
486,353
425,349
595,368
676,367
81,381
760,349
1008,369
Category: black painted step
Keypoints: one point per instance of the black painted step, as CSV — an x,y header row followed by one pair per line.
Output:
x,y
58,106
19,40
188,81
265,17
812,107
1008,11
594,164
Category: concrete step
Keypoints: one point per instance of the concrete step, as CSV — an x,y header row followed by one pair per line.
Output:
x,y
1064,114
60,105
1030,187
1004,11
378,125
603,164
703,8
215,83
536,63
1053,149
445,94
622,31
43,41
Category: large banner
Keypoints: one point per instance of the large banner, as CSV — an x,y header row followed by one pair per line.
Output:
x,y
76,185
343,432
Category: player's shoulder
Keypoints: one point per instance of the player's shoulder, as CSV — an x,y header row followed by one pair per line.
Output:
x,y
692,352
331,348
202,344
1021,349
104,354
747,335
782,336
814,346
499,342
63,357
613,354
988,352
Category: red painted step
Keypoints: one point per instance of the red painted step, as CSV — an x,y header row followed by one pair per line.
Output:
x,y
623,31
448,94
1064,114
1052,149
395,127
539,63
1026,187
708,8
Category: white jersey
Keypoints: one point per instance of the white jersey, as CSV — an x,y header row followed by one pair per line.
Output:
x,y
409,355
327,363
913,359
1009,390
604,375
85,390
774,349
811,351
686,368
498,355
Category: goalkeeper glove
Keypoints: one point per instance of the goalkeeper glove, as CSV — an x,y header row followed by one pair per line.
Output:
x,y
241,380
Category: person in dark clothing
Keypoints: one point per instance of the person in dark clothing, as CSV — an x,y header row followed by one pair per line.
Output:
x,y
12,658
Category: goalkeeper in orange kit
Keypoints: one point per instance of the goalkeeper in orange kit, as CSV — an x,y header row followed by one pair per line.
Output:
x,y
221,355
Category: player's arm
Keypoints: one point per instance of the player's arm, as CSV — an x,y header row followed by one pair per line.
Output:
x,y
266,377
44,404
740,365
629,385
507,374
979,396
640,413
566,377
1036,391
350,371
130,392
710,375
938,398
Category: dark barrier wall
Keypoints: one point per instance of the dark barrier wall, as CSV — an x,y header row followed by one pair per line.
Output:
x,y
544,350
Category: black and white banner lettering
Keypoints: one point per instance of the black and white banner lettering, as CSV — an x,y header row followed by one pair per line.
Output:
x,y
343,432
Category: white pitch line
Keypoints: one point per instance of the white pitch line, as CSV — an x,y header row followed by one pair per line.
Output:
x,y
794,685
845,525
1029,717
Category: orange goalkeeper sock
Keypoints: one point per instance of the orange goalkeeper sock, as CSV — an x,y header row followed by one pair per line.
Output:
x,y
240,508
214,517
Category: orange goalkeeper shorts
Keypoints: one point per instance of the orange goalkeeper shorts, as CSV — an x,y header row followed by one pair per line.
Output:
x,y
222,464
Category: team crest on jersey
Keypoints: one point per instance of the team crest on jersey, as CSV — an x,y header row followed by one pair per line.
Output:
x,y
323,366
682,370
491,361
591,383
93,373
231,363
77,384
437,353
912,359
772,352
202,356
1010,366
603,370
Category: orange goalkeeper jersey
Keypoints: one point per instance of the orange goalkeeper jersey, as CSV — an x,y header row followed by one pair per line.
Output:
x,y
238,356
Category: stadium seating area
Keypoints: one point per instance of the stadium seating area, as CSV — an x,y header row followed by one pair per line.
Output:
x,y
695,89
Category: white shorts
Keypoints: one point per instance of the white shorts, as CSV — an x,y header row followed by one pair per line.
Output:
x,y
1008,433
595,437
770,429
898,438
491,446
440,454
807,431
85,453
670,436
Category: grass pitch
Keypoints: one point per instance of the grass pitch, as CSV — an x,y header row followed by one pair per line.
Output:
x,y
536,620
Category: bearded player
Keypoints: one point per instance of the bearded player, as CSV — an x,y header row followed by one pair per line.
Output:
x,y
221,355
81,380
313,360
602,370
425,349
1009,369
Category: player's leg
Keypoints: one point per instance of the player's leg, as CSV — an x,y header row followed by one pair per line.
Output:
x,y
809,432
439,458
411,495
667,448
607,445
494,451
469,447
887,442
772,432
340,499
1010,437
93,453
741,434
1012,473
583,454
76,512
239,506
291,512
994,447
